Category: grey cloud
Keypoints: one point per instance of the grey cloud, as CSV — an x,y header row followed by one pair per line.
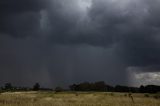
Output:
x,y
59,40
21,18
19,6
133,27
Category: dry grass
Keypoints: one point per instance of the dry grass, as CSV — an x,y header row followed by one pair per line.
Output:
x,y
75,99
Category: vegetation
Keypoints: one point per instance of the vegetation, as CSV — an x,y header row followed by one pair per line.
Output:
x,y
40,98
58,89
100,86
82,94
36,87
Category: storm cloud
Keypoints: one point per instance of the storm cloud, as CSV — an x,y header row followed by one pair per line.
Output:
x,y
59,42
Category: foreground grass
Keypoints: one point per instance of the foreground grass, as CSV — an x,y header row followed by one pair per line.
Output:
x,y
76,99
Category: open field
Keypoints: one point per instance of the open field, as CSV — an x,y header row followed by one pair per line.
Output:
x,y
76,99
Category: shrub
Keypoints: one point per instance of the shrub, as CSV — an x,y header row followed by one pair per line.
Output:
x,y
157,96
146,95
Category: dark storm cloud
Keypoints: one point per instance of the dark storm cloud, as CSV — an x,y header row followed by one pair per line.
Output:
x,y
135,27
57,40
20,18
19,6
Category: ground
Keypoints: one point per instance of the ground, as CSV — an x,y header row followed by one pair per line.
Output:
x,y
77,99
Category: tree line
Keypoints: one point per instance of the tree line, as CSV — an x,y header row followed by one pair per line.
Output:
x,y
103,87
100,86
10,87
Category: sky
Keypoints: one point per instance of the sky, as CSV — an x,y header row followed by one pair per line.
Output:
x,y
60,42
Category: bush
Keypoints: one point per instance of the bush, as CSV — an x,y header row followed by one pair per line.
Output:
x,y
146,95
157,96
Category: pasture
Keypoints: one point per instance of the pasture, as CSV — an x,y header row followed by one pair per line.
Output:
x,y
39,98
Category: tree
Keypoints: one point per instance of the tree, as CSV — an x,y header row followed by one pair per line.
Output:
x,y
152,88
120,88
73,87
86,86
36,87
142,89
58,89
8,86
100,86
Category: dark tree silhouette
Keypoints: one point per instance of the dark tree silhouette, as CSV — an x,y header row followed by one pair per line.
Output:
x,y
36,87
100,86
73,87
86,86
152,89
8,86
120,88
58,89
142,89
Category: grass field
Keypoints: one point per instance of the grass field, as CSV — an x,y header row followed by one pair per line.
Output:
x,y
76,99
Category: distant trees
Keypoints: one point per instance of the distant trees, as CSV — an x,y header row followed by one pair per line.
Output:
x,y
101,86
149,89
120,88
73,87
86,86
8,86
58,89
142,89
36,87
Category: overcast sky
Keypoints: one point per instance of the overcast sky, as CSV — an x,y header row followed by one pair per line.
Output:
x,y
60,42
